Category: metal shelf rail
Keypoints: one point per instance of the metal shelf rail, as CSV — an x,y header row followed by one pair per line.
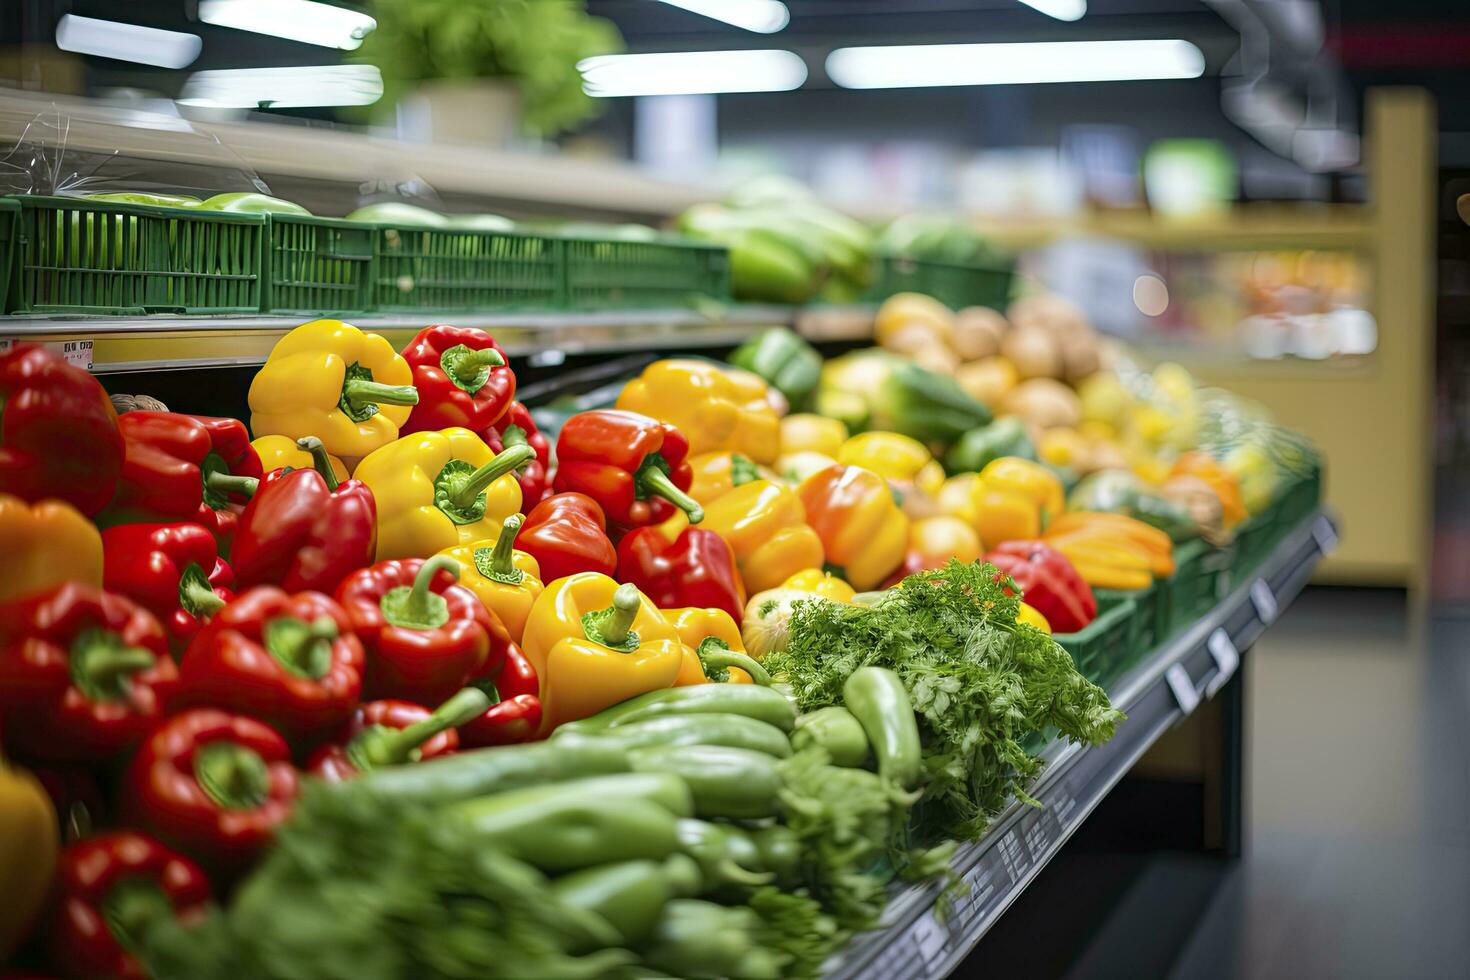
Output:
x,y
913,941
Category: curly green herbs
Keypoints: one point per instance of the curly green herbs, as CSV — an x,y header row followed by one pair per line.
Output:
x,y
979,682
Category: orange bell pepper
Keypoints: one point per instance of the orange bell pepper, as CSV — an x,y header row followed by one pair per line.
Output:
x,y
862,530
1219,479
44,545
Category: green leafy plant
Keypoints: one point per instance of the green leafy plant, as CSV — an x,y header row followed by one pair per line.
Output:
x,y
533,44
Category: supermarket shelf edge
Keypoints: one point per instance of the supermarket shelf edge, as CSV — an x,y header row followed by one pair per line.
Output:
x,y
1190,667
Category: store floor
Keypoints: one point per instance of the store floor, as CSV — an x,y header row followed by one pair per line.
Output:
x,y
1357,847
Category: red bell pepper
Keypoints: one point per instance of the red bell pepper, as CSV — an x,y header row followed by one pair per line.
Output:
x,y
517,428
390,732
425,634
515,712
566,534
632,465
58,432
1049,583
695,569
110,890
462,377
185,468
170,569
84,674
303,530
289,660
213,784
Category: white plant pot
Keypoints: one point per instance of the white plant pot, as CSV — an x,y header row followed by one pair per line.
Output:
x,y
477,112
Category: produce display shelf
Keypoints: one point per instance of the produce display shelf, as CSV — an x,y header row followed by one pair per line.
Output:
x,y
1165,687
115,345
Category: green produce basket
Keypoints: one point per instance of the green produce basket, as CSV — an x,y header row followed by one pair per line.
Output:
x,y
1151,613
1201,579
1300,498
318,266
1254,540
106,258
9,215
418,269
956,286
627,274
1103,648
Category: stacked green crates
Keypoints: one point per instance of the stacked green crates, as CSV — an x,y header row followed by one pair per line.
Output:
x,y
75,255
956,286
318,266
9,220
1103,648
420,269
604,273
1201,579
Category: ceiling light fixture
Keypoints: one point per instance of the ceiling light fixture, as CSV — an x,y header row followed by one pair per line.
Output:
x,y
691,73
283,88
1013,63
1060,9
760,16
296,20
127,42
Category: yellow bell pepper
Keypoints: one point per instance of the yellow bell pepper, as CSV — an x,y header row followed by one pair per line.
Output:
x,y
44,545
863,532
940,538
797,466
894,456
765,525
1112,551
28,851
1030,616
819,582
328,379
803,432
711,642
435,490
278,451
1014,499
505,580
716,474
956,497
594,643
716,409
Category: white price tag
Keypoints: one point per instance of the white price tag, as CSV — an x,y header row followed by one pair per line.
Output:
x,y
77,353
1184,693
1227,660
930,937
1325,534
1264,600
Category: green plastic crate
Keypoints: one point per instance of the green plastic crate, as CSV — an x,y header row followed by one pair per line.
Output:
x,y
1102,649
9,213
1301,497
1150,616
956,286
604,272
1201,579
73,255
417,269
1254,540
318,266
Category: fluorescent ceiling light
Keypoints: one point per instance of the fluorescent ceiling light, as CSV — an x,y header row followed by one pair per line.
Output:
x,y
126,42
295,20
284,88
1060,9
924,65
691,73
761,16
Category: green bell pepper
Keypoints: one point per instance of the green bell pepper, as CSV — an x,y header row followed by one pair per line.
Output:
x,y
927,406
784,360
978,447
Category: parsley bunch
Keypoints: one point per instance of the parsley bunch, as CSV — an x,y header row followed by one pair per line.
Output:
x,y
979,681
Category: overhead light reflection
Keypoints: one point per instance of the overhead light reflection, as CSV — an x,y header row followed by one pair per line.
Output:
x,y
126,42
1013,63
296,20
760,16
1060,9
692,73
283,88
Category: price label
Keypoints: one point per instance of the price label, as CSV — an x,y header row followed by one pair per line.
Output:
x,y
1325,535
930,937
75,352
1185,694
1227,660
1264,600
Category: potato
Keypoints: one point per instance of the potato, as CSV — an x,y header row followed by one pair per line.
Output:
x,y
988,379
901,309
937,358
913,337
1080,359
977,332
1033,351
1059,317
1043,402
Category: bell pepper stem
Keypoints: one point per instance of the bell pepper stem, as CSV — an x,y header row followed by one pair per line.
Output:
x,y
655,481
717,660
503,463
504,551
415,606
303,648
366,392
513,435
132,907
242,486
467,363
398,746
319,460
233,776
625,605
196,595
101,664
